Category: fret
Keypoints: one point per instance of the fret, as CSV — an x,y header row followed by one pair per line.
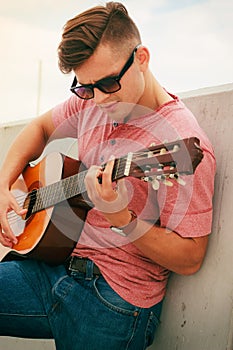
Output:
x,y
57,192
119,169
67,188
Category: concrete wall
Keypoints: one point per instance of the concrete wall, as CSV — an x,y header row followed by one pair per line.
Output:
x,y
198,309
7,134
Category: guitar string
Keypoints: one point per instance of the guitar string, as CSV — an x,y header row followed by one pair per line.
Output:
x,y
43,197
20,198
119,170
34,194
12,216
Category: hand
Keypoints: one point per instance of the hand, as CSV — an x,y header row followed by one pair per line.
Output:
x,y
106,197
8,203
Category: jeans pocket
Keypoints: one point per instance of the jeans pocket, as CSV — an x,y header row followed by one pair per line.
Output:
x,y
112,300
152,324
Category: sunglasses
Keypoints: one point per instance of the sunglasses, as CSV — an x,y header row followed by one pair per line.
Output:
x,y
107,85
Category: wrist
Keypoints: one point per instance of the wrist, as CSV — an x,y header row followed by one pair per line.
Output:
x,y
4,187
120,218
128,228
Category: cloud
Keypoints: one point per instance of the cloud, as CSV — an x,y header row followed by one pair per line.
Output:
x,y
190,43
44,13
23,47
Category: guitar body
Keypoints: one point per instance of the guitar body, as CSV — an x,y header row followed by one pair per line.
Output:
x,y
50,234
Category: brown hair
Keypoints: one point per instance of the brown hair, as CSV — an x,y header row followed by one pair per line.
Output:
x,y
109,24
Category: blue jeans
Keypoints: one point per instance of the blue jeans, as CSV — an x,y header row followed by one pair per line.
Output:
x,y
80,313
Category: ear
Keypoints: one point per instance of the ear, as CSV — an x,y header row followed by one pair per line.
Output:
x,y
143,57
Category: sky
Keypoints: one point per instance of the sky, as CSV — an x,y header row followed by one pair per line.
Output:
x,y
190,43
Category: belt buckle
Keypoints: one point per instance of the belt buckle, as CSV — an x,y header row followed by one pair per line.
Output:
x,y
71,267
87,267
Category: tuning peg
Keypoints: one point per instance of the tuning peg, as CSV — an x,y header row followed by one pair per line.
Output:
x,y
164,180
175,148
153,180
178,179
163,151
153,144
155,183
167,183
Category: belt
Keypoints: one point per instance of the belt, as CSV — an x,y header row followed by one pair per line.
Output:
x,y
83,265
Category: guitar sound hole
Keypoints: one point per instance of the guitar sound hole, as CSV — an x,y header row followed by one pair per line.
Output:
x,y
30,202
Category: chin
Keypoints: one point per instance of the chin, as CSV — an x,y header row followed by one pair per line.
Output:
x,y
120,111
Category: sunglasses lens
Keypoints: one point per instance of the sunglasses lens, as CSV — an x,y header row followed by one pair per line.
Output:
x,y
109,85
84,92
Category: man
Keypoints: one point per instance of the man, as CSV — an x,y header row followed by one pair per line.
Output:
x,y
109,294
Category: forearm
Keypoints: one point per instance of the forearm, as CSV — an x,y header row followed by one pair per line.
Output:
x,y
163,246
168,249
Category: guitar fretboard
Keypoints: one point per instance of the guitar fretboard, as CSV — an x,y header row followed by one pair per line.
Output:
x,y
65,189
57,192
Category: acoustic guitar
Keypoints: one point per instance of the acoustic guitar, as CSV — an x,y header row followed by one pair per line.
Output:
x,y
53,192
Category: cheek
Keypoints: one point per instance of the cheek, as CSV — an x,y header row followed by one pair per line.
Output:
x,y
135,88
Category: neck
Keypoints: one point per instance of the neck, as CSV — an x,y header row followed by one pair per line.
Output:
x,y
154,95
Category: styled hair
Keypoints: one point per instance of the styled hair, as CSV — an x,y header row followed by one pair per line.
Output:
x,y
109,24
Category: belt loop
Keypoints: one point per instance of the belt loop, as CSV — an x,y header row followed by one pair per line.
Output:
x,y
89,270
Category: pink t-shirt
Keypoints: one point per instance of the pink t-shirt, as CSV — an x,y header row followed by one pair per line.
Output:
x,y
186,210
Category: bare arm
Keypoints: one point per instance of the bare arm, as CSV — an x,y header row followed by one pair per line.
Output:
x,y
28,146
166,248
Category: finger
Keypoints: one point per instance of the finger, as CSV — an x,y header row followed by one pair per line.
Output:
x,y
7,232
17,209
107,186
91,179
5,241
121,186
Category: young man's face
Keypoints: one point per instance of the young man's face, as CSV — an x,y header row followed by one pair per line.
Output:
x,y
105,63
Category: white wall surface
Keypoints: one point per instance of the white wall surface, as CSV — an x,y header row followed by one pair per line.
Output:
x,y
198,309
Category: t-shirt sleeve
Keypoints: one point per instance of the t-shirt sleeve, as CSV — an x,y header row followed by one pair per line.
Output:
x,y
65,117
187,210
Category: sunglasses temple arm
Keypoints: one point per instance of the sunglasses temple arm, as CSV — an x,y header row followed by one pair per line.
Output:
x,y
74,82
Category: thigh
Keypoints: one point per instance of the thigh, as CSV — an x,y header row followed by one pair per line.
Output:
x,y
128,327
89,316
92,317
22,309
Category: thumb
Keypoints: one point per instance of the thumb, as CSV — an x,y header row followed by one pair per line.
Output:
x,y
17,208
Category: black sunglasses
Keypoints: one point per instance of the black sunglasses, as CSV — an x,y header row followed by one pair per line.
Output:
x,y
106,85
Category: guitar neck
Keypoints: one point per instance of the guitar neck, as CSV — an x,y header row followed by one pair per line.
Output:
x,y
57,192
154,163
65,189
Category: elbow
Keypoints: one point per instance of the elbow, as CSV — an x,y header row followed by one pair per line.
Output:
x,y
194,260
191,268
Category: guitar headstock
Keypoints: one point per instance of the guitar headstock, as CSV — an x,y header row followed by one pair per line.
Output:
x,y
162,161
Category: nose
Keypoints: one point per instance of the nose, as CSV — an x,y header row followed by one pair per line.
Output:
x,y
99,96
